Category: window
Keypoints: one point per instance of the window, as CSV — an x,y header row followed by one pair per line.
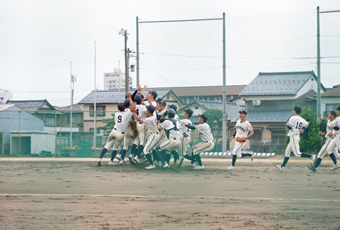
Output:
x,y
196,107
73,119
50,120
331,106
100,111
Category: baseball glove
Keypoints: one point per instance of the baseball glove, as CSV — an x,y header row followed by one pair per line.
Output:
x,y
240,139
133,109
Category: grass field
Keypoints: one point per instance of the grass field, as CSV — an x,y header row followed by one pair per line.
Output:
x,y
60,193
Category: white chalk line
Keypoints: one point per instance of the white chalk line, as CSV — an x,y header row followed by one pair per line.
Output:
x,y
164,196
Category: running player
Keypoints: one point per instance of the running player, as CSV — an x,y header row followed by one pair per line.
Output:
x,y
116,136
243,131
329,137
296,125
186,134
207,143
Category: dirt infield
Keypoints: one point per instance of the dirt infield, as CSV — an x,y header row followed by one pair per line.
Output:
x,y
42,193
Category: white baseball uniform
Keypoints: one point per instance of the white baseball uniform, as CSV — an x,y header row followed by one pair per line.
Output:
x,y
329,130
173,140
207,138
141,112
296,123
153,134
242,130
186,136
117,134
335,143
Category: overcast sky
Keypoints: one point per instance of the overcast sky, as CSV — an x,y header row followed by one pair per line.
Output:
x,y
38,39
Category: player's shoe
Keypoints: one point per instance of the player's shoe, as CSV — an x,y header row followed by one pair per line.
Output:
x,y
150,167
121,162
99,164
118,157
199,167
335,167
311,167
136,160
157,163
252,156
231,167
111,163
191,164
166,166
180,161
279,168
131,159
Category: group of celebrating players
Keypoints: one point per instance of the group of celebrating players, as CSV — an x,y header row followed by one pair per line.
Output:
x,y
154,132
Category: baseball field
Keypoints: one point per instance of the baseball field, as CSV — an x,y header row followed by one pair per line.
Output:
x,y
61,193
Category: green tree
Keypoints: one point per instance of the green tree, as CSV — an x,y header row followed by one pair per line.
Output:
x,y
310,141
214,121
109,121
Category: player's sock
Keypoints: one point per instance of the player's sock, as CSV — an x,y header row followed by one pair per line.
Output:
x,y
332,156
234,160
317,162
198,159
148,156
306,155
123,153
160,156
245,155
167,158
133,149
113,154
285,160
192,158
139,150
155,156
176,156
186,156
102,153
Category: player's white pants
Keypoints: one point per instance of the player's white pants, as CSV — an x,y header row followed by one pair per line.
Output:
x,y
184,144
202,147
335,143
114,138
323,150
140,139
237,148
129,136
293,146
170,144
153,141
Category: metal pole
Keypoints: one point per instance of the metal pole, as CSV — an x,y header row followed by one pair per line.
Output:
x,y
318,66
126,62
71,105
224,115
137,53
95,103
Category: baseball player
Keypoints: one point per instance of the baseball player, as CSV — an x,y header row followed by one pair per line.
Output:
x,y
179,126
186,134
243,131
296,125
208,144
329,137
153,138
150,98
173,140
116,136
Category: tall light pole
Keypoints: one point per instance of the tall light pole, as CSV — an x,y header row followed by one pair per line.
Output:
x,y
126,54
224,114
72,93
318,61
95,103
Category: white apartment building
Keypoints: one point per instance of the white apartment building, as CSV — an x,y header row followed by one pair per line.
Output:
x,y
115,80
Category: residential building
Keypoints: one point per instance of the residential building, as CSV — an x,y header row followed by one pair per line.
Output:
x,y
330,99
13,118
115,80
77,118
5,95
269,101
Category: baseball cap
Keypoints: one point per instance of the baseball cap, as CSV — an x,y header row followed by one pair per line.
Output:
x,y
204,117
338,108
243,111
150,108
163,103
121,107
333,112
127,103
154,93
189,111
171,113
159,100
138,99
172,106
297,109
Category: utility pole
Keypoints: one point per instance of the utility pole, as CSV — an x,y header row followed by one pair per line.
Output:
x,y
95,104
137,53
72,84
224,115
126,53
